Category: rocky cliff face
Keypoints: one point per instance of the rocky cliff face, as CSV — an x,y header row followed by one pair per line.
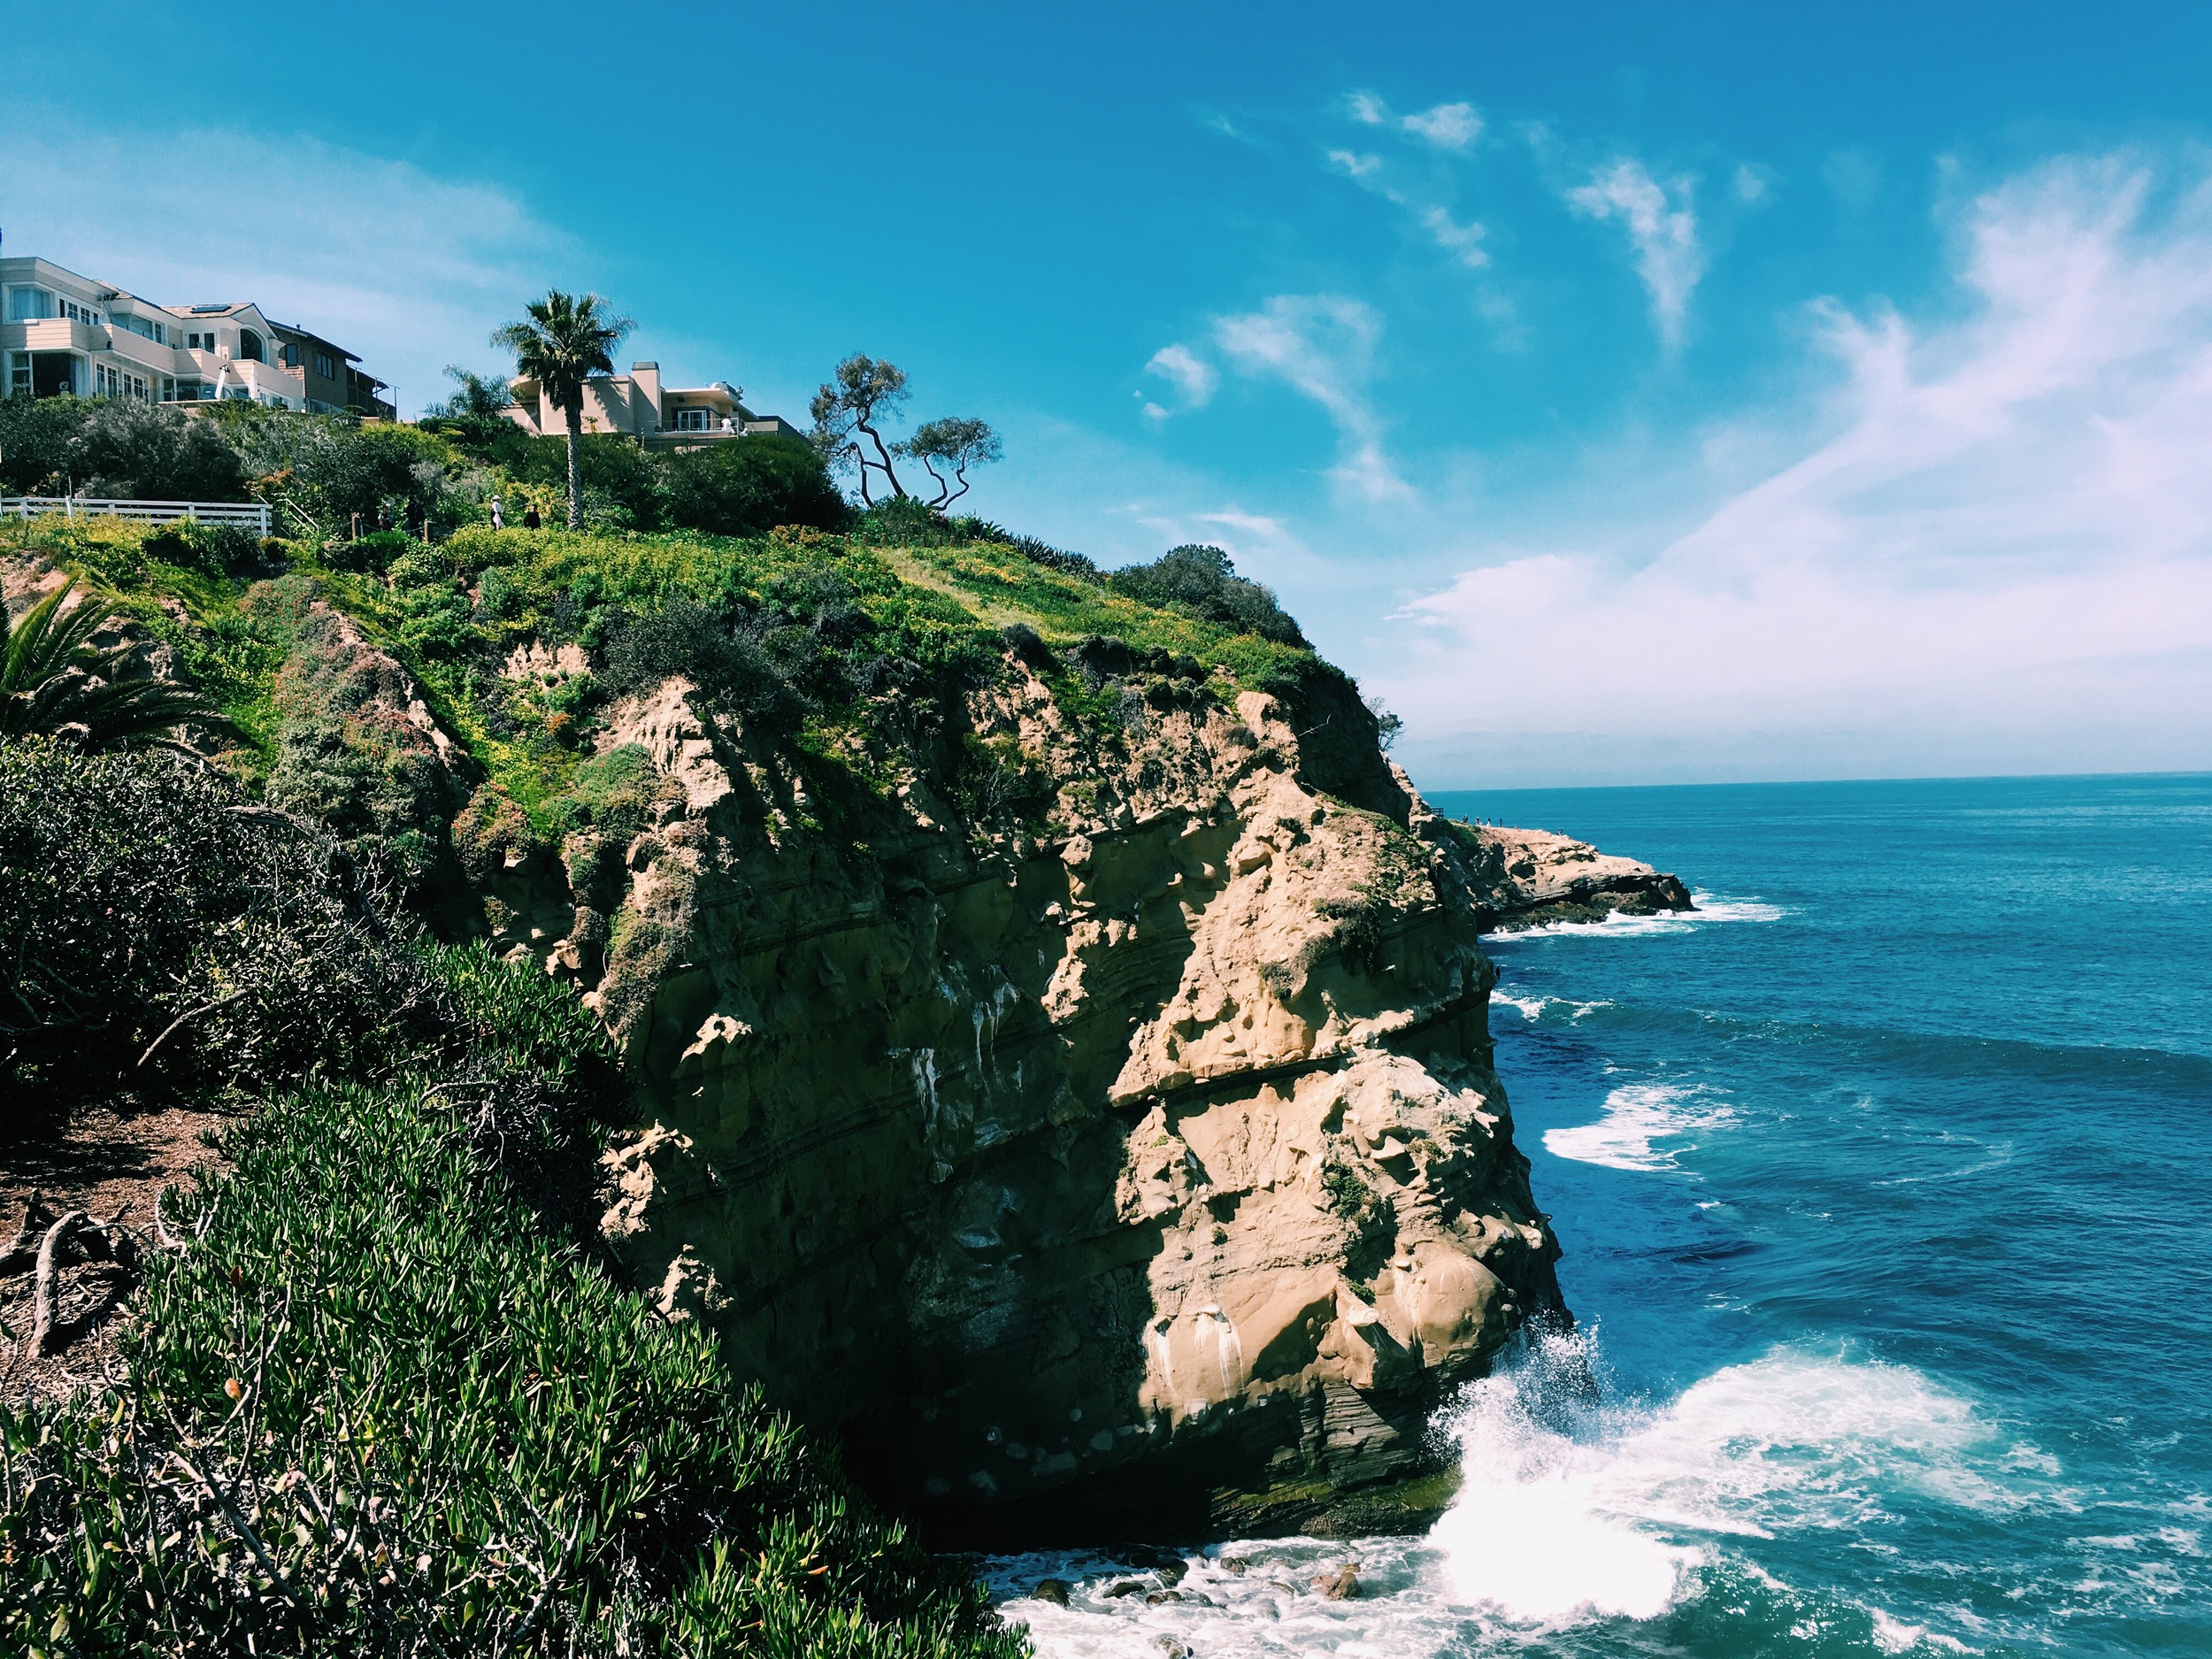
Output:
x,y
1156,1171
1524,878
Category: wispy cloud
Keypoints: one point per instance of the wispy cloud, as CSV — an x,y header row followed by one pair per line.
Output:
x,y
1323,346
1463,241
412,270
1194,378
1998,555
1662,226
1444,127
1228,126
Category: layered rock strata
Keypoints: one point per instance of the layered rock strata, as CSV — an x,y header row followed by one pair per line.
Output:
x,y
1151,1173
1524,878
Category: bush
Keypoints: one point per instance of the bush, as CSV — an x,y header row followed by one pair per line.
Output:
x,y
727,663
220,550
1202,582
903,521
128,450
749,486
622,484
137,891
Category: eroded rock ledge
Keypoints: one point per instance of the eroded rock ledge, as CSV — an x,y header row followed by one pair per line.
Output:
x,y
1154,1173
1526,879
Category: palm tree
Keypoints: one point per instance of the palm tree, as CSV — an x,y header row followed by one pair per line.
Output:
x,y
54,681
563,344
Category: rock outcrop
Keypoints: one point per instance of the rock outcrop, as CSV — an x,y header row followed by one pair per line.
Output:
x,y
1151,1171
1524,878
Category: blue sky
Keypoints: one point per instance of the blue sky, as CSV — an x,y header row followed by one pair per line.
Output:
x,y
1632,393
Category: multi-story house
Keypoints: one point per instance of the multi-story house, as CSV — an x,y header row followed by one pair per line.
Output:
x,y
636,405
63,334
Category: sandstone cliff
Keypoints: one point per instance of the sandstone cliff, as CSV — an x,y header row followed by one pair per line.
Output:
x,y
1153,1170
1524,878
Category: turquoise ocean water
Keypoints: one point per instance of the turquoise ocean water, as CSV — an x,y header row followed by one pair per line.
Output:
x,y
1885,1185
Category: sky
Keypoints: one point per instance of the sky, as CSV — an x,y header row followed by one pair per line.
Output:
x,y
1623,394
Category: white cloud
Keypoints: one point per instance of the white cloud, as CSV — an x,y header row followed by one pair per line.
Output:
x,y
1194,378
1997,557
1463,241
410,270
1755,186
1367,109
1447,126
1663,228
1353,165
1321,345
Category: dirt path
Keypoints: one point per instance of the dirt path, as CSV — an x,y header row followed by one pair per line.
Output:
x,y
107,1161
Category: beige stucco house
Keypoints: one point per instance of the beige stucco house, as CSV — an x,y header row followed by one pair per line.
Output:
x,y
637,405
63,334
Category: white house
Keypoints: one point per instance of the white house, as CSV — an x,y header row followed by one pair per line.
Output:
x,y
636,403
61,332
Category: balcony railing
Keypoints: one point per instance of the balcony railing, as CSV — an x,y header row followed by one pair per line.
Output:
x,y
247,512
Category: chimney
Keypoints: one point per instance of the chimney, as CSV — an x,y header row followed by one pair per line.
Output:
x,y
647,377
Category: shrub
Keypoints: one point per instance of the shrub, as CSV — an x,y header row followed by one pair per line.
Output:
x,y
125,450
728,665
165,933
1202,581
749,486
622,484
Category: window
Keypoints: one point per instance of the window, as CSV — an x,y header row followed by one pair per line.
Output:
x,y
249,345
691,420
28,304
326,365
168,388
19,376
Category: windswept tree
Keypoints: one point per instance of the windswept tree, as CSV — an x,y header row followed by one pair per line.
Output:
x,y
861,393
955,443
566,340
55,682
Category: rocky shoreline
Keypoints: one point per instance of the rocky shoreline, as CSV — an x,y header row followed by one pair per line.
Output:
x,y
1529,877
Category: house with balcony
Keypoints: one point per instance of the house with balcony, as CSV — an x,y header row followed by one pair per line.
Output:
x,y
637,405
61,333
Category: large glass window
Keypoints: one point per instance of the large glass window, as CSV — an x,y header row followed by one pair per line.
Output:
x,y
28,304
20,375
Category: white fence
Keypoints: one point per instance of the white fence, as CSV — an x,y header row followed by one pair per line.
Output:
x,y
247,512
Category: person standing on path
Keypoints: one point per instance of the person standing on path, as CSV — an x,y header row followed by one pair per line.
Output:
x,y
530,520
499,520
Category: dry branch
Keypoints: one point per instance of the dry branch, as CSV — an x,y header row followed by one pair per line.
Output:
x,y
204,1008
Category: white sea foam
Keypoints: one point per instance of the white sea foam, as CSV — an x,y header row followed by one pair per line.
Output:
x,y
1619,925
1636,1116
1574,1512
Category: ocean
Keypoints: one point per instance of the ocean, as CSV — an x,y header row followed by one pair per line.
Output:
x,y
1885,1188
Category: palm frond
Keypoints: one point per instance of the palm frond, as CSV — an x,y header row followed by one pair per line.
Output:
x,y
53,680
